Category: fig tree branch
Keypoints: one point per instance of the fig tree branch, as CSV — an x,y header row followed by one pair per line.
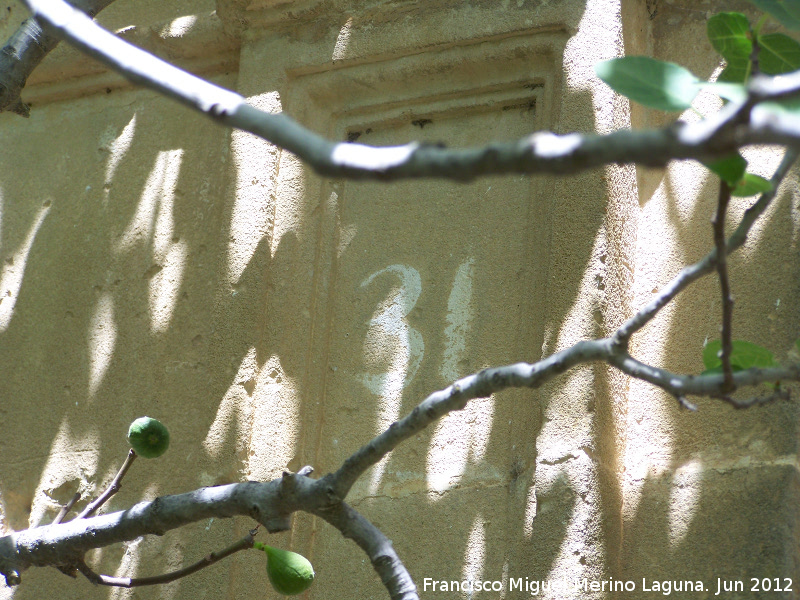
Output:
x,y
112,489
718,224
271,503
705,266
66,508
23,52
735,126
243,544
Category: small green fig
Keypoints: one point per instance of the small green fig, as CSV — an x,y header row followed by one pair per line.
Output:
x,y
148,437
289,572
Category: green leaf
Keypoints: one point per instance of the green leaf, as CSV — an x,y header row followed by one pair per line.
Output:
x,y
735,92
730,169
744,355
728,34
714,371
787,12
750,185
797,343
778,53
747,355
737,71
710,351
653,83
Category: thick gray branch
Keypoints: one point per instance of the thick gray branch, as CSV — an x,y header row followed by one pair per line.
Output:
x,y
489,381
455,397
65,543
23,52
542,152
377,547
271,503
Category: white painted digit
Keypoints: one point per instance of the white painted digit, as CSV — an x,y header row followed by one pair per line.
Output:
x,y
388,327
393,344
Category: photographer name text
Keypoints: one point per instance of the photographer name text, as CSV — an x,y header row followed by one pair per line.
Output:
x,y
534,587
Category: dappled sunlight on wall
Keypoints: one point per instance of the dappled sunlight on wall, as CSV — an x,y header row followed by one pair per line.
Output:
x,y
530,512
684,497
165,285
459,316
233,412
292,209
275,424
761,160
128,567
117,147
157,195
102,336
342,40
461,438
153,224
179,27
255,162
675,202
260,411
568,493
475,552
393,348
14,268
71,467
584,319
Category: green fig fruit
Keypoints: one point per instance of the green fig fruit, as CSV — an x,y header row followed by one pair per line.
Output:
x,y
148,437
289,572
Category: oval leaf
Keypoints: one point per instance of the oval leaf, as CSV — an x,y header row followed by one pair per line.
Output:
x,y
744,355
737,71
730,169
710,354
747,354
653,83
787,12
728,34
778,53
750,185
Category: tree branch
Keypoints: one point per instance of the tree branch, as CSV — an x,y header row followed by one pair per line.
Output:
x,y
112,489
243,544
25,50
376,545
542,152
703,267
718,223
66,508
271,503
65,543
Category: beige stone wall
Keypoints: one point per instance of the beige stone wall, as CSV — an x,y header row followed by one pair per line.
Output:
x,y
155,263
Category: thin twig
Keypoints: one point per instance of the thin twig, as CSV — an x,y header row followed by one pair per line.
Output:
x,y
66,508
208,560
683,401
703,267
112,489
778,394
718,223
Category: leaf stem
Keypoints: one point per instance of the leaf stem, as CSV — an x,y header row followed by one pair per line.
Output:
x,y
128,582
